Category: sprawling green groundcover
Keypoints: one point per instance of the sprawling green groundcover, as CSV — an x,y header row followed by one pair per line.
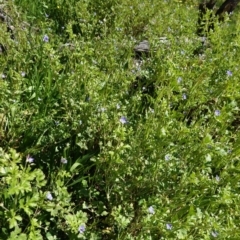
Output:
x,y
93,146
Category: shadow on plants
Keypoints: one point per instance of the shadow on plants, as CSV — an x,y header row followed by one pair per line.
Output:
x,y
6,20
142,53
206,19
205,26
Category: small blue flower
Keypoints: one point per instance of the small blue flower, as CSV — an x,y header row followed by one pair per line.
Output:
x,y
23,74
151,110
214,234
151,210
229,73
102,109
81,229
167,157
169,226
45,38
217,113
29,159
63,160
87,98
123,120
49,196
179,80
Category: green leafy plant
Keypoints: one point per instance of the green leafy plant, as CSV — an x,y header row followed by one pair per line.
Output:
x,y
96,144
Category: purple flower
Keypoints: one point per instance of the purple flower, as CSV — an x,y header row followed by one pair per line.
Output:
x,y
151,210
45,38
63,160
29,159
229,73
217,113
81,229
49,196
123,120
169,226
214,234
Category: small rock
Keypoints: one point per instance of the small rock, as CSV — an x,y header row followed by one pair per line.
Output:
x,y
142,49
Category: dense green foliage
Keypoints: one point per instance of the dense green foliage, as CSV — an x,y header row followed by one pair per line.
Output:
x,y
85,154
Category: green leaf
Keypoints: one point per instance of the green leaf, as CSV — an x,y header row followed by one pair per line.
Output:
x,y
49,236
104,213
12,223
19,218
33,96
74,166
75,182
